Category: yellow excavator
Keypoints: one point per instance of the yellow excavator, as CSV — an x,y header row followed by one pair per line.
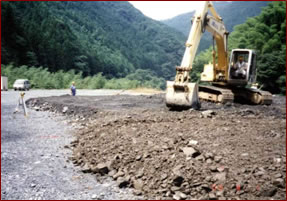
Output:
x,y
228,76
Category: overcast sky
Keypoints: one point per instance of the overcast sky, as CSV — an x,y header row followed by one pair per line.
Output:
x,y
161,10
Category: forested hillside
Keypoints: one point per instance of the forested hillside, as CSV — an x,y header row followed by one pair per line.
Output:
x,y
265,33
233,13
90,37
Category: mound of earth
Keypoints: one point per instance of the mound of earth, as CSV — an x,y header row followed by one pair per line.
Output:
x,y
229,151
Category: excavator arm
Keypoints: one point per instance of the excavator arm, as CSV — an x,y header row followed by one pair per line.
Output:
x,y
194,37
213,24
216,27
181,93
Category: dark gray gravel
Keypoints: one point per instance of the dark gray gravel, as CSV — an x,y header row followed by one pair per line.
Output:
x,y
34,161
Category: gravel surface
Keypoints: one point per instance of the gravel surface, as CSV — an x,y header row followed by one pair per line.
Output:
x,y
34,158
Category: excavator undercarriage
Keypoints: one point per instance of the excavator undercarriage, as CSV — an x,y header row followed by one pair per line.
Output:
x,y
224,95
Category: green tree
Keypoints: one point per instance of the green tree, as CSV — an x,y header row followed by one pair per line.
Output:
x,y
266,34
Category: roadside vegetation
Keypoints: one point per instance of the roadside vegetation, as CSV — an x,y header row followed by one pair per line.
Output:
x,y
41,78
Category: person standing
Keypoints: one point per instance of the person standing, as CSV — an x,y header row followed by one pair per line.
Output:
x,y
73,89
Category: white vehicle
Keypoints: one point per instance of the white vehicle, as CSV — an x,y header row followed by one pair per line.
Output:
x,y
22,84
4,83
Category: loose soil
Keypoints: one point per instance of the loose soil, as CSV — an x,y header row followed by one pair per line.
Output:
x,y
230,151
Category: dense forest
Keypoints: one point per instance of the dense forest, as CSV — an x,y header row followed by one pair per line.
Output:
x,y
113,38
232,13
266,34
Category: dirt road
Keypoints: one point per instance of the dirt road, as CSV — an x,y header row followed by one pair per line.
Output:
x,y
34,160
227,151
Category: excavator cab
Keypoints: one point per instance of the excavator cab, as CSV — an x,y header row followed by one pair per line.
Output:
x,y
242,67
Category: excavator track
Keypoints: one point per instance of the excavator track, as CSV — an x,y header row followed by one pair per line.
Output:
x,y
224,95
215,94
254,96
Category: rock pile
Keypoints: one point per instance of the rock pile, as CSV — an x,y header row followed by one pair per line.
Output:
x,y
161,161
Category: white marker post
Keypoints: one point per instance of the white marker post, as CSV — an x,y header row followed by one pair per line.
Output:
x,y
22,102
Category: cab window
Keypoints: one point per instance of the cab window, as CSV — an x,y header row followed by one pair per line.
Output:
x,y
239,65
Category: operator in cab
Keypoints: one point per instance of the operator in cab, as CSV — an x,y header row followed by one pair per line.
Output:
x,y
240,68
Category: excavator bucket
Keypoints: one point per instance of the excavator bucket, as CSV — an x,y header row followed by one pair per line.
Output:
x,y
182,95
